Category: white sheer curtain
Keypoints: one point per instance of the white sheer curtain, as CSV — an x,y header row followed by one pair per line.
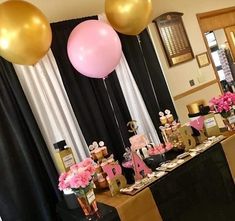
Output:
x,y
43,87
135,101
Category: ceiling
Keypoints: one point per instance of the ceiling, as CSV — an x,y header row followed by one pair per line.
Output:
x,y
58,10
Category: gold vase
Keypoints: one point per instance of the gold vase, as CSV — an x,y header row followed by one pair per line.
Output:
x,y
87,201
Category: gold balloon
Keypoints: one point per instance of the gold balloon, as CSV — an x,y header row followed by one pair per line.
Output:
x,y
25,33
128,16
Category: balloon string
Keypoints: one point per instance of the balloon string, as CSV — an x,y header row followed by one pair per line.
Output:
x,y
149,77
115,117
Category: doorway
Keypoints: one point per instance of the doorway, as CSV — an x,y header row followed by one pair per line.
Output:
x,y
218,30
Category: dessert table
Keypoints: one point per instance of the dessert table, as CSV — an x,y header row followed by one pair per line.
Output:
x,y
202,188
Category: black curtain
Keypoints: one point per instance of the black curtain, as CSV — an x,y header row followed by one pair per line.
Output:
x,y
28,186
101,112
147,72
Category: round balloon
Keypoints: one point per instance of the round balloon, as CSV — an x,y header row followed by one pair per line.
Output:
x,y
25,33
129,17
94,48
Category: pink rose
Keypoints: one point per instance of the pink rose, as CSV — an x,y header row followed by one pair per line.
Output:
x,y
90,169
79,175
76,167
63,185
63,176
87,162
85,179
75,182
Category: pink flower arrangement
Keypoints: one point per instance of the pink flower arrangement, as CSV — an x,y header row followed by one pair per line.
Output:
x,y
79,176
224,103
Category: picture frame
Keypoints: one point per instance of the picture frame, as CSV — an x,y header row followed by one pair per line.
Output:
x,y
203,59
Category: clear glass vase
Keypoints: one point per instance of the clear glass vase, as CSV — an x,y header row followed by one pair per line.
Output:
x,y
87,201
229,120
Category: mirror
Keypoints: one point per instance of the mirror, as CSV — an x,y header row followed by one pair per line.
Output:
x,y
218,29
222,58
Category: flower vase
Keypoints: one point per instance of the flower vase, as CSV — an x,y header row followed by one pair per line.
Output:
x,y
87,201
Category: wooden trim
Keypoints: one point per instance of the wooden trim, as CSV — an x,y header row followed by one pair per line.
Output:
x,y
203,86
215,12
217,19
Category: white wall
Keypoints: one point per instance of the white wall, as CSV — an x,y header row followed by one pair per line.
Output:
x,y
187,71
178,76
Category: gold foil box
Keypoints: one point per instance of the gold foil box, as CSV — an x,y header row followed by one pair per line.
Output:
x,y
194,107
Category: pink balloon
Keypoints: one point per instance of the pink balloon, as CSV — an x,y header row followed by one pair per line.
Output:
x,y
94,48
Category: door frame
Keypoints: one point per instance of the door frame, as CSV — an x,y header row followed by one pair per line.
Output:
x,y
213,20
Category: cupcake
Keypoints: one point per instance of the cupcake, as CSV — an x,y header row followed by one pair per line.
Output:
x,y
93,155
169,146
111,160
161,148
104,163
98,168
174,127
98,154
169,116
102,183
162,118
168,131
104,150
